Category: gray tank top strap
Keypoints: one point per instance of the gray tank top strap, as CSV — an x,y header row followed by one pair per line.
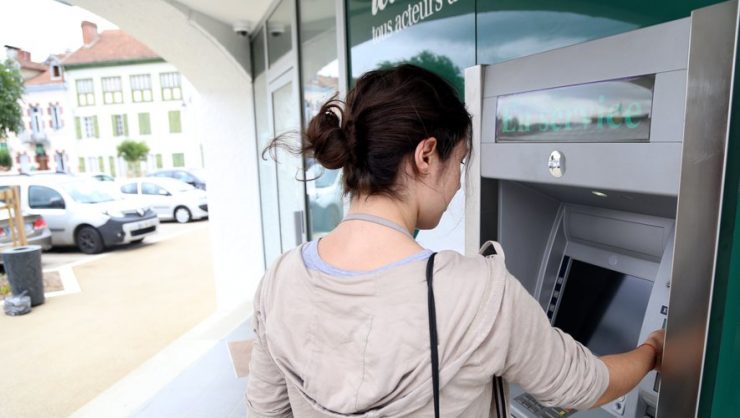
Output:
x,y
377,220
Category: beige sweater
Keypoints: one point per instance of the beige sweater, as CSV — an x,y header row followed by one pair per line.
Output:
x,y
359,346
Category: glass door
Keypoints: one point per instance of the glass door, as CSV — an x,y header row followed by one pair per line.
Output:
x,y
285,118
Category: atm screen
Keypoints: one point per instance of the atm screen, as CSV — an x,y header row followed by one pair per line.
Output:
x,y
603,309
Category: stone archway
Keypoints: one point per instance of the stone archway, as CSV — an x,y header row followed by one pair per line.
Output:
x,y
216,61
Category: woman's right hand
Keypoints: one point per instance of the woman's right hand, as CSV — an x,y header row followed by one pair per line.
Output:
x,y
656,339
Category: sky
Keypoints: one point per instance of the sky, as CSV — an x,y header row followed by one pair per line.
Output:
x,y
43,27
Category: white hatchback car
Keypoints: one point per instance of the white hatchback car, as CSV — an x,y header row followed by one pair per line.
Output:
x,y
169,198
79,212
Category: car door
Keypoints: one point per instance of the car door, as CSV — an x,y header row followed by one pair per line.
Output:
x,y
159,198
50,204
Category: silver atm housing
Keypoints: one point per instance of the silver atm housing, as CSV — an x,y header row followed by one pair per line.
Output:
x,y
660,218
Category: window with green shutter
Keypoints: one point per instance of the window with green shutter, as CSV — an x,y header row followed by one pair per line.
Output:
x,y
174,117
96,126
81,165
78,127
112,164
159,160
145,125
178,159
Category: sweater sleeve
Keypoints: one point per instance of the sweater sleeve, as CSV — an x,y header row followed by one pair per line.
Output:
x,y
545,361
267,392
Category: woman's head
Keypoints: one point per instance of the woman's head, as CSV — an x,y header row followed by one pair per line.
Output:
x,y
402,133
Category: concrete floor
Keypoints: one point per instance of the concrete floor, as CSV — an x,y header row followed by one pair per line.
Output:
x,y
132,304
209,388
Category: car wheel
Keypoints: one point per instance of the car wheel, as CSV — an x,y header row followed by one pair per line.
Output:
x,y
89,240
182,215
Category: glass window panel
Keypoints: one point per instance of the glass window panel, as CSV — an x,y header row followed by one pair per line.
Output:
x,y
285,117
320,73
258,54
280,31
267,173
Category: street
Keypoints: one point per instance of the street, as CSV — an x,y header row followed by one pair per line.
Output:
x,y
130,303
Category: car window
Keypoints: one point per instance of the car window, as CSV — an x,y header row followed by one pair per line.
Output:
x,y
183,176
162,174
151,188
129,188
40,197
88,191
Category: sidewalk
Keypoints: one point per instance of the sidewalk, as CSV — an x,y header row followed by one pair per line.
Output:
x,y
133,303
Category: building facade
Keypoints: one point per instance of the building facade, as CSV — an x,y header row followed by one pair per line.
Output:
x,y
121,90
45,142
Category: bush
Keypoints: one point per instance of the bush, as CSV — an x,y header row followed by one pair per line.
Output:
x,y
6,160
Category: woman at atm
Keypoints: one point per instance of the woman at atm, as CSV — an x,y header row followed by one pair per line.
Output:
x,y
365,322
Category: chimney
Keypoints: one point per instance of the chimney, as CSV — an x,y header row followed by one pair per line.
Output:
x,y
24,56
89,32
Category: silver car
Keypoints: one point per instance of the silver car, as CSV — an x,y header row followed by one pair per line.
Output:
x,y
170,198
37,232
81,213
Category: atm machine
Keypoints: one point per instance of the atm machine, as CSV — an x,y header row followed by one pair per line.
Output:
x,y
599,168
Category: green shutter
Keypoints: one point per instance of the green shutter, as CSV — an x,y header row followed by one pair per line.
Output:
x,y
144,124
113,124
112,162
159,160
78,127
95,125
174,116
178,159
101,164
82,165
125,125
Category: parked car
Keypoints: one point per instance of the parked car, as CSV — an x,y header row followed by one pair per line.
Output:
x,y
36,229
170,198
81,213
195,177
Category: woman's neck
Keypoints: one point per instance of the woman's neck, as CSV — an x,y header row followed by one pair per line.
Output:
x,y
387,208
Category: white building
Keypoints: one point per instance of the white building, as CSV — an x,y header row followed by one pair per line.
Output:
x,y
120,89
45,142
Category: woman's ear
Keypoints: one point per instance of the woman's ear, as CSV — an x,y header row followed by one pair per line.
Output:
x,y
424,154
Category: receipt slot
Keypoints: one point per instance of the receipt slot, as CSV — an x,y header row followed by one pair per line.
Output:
x,y
599,168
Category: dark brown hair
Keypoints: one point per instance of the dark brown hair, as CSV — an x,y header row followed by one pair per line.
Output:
x,y
384,118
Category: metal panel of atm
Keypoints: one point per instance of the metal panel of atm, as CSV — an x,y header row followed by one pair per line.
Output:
x,y
599,167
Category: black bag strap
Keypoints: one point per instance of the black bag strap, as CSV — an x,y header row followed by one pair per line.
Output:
x,y
433,333
498,383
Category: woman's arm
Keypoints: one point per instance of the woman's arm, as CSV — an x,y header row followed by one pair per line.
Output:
x,y
267,391
627,369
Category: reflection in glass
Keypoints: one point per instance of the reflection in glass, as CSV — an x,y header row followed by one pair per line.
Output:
x,y
290,190
608,111
280,31
320,72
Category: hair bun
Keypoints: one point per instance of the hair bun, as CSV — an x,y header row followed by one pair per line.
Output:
x,y
326,138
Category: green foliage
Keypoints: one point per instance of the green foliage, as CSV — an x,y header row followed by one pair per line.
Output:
x,y
5,159
133,151
11,90
438,64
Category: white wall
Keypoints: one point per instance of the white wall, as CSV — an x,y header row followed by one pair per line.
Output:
x,y
215,62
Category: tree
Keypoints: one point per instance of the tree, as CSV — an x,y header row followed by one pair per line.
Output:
x,y
11,91
438,64
133,152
